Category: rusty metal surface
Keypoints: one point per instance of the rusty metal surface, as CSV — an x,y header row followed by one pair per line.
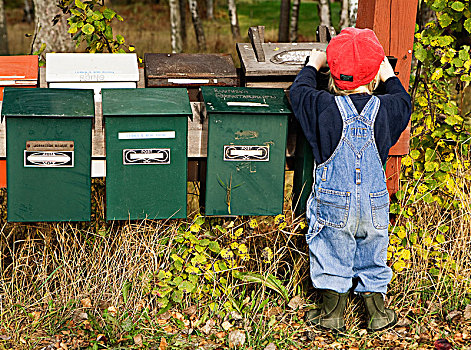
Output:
x,y
219,69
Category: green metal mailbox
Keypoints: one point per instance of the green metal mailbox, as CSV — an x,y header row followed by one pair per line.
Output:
x,y
48,154
146,147
246,150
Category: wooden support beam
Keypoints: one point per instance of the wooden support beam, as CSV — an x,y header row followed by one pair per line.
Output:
x,y
393,21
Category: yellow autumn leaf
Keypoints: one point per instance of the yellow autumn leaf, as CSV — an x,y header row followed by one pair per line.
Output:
x,y
406,254
195,228
437,74
399,265
422,101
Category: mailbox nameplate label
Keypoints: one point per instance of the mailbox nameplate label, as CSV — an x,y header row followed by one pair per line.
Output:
x,y
246,153
146,135
146,156
49,145
49,159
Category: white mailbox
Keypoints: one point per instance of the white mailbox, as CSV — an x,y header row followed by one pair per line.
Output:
x,y
93,71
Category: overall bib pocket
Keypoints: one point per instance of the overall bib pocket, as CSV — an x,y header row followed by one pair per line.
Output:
x,y
332,207
380,209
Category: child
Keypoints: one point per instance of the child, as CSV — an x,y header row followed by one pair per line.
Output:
x,y
350,132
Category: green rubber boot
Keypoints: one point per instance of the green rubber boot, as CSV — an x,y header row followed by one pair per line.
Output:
x,y
330,314
379,317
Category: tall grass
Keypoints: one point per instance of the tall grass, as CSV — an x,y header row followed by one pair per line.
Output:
x,y
48,270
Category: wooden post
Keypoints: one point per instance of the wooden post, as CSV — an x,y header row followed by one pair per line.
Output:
x,y
393,21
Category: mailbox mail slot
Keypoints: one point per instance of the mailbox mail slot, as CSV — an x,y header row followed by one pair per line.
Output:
x,y
246,150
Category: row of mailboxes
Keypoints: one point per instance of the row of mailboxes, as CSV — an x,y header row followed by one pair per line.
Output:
x,y
49,144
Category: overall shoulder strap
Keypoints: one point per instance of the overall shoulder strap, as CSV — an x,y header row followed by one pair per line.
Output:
x,y
346,107
371,108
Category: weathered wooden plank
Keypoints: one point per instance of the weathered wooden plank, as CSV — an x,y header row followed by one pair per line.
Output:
x,y
98,133
269,84
198,131
324,33
257,41
42,77
281,59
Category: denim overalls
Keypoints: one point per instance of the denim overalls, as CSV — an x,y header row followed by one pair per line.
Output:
x,y
348,210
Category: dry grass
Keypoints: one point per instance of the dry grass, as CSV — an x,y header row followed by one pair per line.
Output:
x,y
48,270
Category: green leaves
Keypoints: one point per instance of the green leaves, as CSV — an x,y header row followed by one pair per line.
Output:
x,y
419,52
457,6
268,281
91,21
108,14
444,20
80,4
467,25
88,29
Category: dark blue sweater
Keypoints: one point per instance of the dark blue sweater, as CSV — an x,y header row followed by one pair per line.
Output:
x,y
321,122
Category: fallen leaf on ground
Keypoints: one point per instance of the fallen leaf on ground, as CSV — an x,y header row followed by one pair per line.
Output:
x,y
138,340
236,339
86,302
271,346
467,312
206,329
165,316
113,311
191,310
296,302
403,322
235,315
163,344
226,325
221,335
273,311
453,315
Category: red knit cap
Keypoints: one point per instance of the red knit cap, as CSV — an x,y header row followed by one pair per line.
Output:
x,y
354,57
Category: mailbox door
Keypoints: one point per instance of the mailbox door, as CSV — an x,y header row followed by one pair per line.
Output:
x,y
146,147
38,191
48,154
146,167
246,160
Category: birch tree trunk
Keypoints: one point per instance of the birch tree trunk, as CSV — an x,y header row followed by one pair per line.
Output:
x,y
231,5
210,9
199,32
28,12
324,12
293,30
344,18
175,26
182,4
3,31
55,37
353,9
283,30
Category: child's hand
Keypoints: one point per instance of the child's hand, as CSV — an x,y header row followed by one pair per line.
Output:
x,y
386,71
317,59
